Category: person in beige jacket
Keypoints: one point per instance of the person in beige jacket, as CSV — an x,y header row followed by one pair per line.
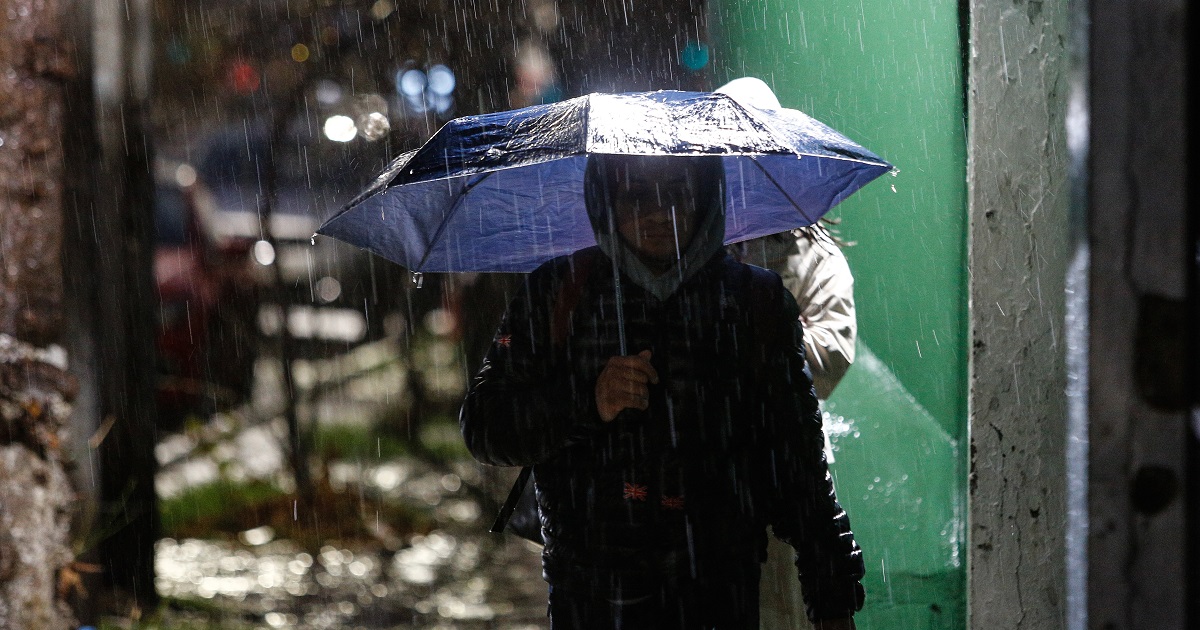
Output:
x,y
815,271
813,268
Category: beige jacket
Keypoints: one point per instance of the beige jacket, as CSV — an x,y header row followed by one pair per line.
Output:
x,y
814,269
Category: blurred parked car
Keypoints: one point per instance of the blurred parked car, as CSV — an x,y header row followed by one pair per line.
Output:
x,y
335,295
208,288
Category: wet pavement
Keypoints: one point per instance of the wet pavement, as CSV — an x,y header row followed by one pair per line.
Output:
x,y
453,578
456,576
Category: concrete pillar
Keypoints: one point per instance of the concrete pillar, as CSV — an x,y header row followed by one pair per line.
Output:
x,y
1018,257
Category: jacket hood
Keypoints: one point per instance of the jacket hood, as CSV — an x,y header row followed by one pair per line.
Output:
x,y
708,239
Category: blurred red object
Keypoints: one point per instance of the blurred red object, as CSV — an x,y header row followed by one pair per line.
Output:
x,y
243,77
208,298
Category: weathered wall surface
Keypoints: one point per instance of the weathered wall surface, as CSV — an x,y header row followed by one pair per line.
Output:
x,y
1019,247
35,496
1138,400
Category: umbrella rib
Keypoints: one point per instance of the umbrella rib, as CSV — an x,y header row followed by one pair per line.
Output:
x,y
450,215
795,205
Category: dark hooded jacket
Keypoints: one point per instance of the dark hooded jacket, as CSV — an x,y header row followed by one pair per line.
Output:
x,y
684,491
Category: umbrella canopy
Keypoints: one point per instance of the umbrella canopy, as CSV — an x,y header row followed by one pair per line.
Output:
x,y
504,192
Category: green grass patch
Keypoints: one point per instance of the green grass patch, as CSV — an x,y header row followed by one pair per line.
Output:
x,y
357,443
443,440
220,506
170,620
222,509
438,438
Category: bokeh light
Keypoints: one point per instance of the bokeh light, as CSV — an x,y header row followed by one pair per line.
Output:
x,y
411,82
340,128
178,52
243,77
264,253
430,89
373,126
381,9
441,80
185,175
328,92
694,56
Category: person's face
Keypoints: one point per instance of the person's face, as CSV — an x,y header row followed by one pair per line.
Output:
x,y
655,207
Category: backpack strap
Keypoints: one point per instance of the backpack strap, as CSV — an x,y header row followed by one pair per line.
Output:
x,y
510,503
579,267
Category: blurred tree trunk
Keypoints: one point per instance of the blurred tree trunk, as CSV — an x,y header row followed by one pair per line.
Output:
x,y
119,252
36,500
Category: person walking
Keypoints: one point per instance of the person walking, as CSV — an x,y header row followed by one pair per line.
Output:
x,y
659,389
815,271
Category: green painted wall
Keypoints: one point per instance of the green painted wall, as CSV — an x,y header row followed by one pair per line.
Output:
x,y
896,473
888,74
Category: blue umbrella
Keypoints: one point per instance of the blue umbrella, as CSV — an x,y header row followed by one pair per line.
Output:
x,y
504,192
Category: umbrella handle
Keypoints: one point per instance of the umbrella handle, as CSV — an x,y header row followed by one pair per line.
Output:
x,y
620,307
616,271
